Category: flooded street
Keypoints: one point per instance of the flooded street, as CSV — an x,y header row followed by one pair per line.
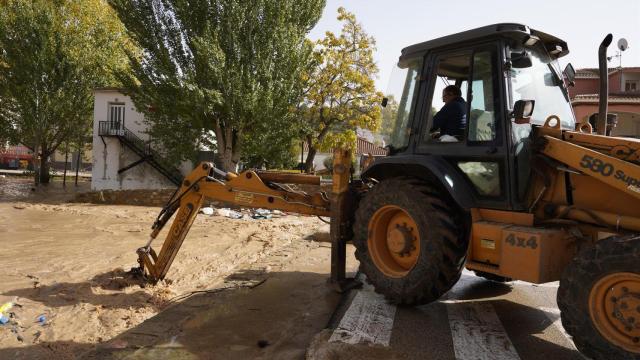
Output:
x,y
237,288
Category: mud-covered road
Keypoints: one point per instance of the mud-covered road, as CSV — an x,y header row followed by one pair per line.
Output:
x,y
238,288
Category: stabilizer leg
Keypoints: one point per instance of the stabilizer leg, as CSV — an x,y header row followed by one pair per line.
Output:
x,y
340,209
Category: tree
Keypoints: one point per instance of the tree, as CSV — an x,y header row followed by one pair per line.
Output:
x,y
228,66
275,147
389,118
52,55
340,93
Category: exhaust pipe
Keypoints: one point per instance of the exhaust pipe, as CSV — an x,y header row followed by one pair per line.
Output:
x,y
601,124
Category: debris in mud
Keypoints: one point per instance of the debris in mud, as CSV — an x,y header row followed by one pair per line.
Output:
x,y
245,214
6,307
207,210
263,343
261,214
4,313
36,281
117,279
228,213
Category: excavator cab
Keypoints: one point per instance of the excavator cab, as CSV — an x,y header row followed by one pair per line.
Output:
x,y
497,68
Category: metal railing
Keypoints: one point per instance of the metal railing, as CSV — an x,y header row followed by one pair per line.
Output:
x,y
141,148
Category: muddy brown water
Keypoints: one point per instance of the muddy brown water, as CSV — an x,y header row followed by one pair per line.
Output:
x,y
238,289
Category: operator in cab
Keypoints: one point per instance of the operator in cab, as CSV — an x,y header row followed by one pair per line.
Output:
x,y
450,121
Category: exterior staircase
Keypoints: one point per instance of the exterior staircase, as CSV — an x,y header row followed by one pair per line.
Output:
x,y
141,148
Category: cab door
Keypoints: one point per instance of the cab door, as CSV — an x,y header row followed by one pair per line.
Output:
x,y
480,155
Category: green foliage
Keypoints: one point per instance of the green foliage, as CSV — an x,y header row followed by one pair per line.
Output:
x,y
389,118
274,147
328,163
340,93
228,66
52,55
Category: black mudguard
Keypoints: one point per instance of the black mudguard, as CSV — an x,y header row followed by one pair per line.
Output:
x,y
430,168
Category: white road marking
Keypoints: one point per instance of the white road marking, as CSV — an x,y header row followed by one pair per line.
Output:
x,y
554,315
478,333
368,319
554,284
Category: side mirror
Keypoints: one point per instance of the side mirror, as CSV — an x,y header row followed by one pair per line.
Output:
x,y
522,111
384,102
570,73
520,60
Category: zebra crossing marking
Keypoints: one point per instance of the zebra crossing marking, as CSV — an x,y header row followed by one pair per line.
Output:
x,y
478,333
554,315
476,330
554,284
368,319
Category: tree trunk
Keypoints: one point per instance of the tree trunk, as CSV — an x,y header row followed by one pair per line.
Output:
x,y
44,168
224,160
66,159
36,166
235,153
78,165
228,148
312,150
308,164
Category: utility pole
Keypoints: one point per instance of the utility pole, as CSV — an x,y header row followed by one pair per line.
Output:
x,y
623,45
619,56
620,69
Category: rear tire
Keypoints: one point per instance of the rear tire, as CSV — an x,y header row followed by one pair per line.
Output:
x,y
439,240
599,299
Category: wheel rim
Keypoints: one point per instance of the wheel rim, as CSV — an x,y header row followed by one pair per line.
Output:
x,y
614,304
394,241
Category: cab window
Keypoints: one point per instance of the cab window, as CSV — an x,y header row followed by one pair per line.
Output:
x,y
447,117
482,115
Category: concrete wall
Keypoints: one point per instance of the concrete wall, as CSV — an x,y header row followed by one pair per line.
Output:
x,y
628,125
628,117
631,77
592,85
140,197
58,158
111,155
585,86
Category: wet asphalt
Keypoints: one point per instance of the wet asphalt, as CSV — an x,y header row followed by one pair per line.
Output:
x,y
477,319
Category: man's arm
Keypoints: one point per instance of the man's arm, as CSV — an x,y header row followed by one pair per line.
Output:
x,y
441,117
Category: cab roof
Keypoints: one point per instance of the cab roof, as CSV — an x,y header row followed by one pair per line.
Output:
x,y
518,32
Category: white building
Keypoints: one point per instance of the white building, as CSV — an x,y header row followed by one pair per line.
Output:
x,y
364,148
122,156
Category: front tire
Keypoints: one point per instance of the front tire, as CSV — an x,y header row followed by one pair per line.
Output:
x,y
410,243
599,299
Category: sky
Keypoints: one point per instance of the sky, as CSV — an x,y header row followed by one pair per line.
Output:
x,y
581,23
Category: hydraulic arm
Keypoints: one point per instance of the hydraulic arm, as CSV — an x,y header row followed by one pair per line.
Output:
x,y
601,177
250,189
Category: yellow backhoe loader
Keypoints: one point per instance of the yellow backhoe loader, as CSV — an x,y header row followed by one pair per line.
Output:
x,y
525,192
